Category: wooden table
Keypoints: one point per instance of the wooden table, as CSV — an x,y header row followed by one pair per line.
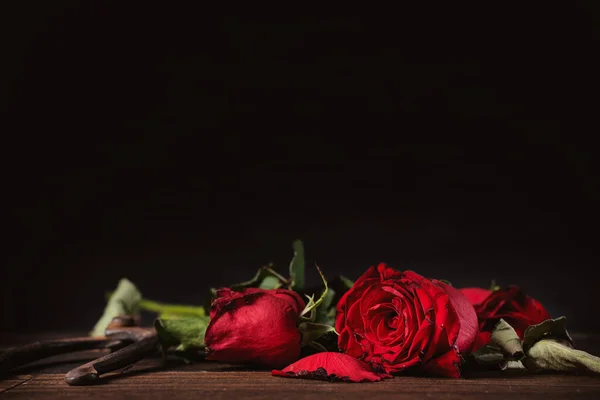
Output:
x,y
150,380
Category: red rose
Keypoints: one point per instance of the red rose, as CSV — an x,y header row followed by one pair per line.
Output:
x,y
476,295
510,304
399,320
255,326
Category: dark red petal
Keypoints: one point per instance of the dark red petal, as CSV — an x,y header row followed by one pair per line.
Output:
x,y
496,301
484,338
291,297
541,312
476,295
469,327
447,365
370,277
223,297
387,273
331,366
414,277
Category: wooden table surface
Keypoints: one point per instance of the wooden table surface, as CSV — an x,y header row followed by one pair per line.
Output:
x,y
149,379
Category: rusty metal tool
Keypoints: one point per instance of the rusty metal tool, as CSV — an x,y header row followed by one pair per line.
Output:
x,y
128,344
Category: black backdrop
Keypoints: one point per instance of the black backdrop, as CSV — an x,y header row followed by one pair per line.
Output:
x,y
185,148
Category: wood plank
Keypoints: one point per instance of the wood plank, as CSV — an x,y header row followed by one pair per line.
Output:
x,y
259,385
151,379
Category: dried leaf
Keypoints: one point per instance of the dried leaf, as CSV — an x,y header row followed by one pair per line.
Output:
x,y
125,300
550,355
549,347
507,339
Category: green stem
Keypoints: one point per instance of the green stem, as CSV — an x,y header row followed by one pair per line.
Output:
x,y
161,308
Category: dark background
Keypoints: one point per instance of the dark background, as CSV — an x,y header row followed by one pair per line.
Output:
x,y
184,148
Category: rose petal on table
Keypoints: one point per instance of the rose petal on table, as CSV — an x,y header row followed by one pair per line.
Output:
x,y
333,367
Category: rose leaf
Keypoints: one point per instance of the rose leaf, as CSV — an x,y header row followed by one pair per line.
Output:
x,y
325,313
489,357
297,266
550,328
125,300
513,365
347,282
311,306
493,286
505,337
185,333
265,278
551,355
548,347
312,331
270,282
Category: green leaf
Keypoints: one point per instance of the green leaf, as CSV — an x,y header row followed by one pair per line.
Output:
x,y
446,282
326,313
259,279
347,282
318,346
312,331
493,286
125,300
505,337
312,305
297,266
270,282
185,333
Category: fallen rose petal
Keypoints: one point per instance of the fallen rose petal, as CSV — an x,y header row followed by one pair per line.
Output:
x,y
333,367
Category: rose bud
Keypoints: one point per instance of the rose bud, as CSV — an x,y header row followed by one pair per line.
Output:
x,y
254,326
510,304
400,320
333,367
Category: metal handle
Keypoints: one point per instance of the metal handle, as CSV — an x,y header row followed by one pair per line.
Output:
x,y
20,356
145,340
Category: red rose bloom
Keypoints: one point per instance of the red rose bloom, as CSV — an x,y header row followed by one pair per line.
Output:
x,y
510,304
255,326
476,295
399,320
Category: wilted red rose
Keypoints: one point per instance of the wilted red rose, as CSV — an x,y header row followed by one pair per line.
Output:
x,y
399,320
510,304
476,295
255,326
333,367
